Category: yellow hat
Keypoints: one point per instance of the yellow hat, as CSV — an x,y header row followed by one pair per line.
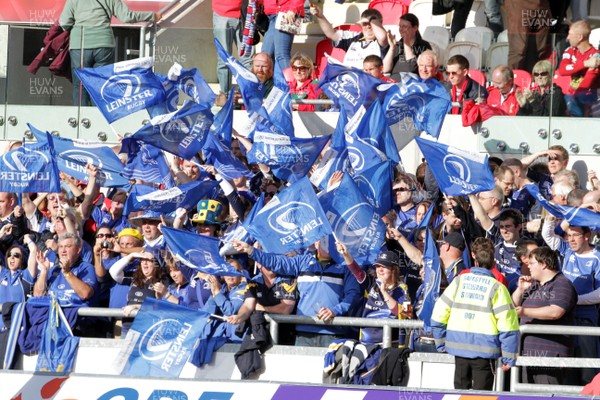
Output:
x,y
131,232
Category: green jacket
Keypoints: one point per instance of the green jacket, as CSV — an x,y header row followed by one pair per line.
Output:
x,y
89,21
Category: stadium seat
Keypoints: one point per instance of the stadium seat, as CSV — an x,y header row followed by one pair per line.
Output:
x,y
438,35
390,9
439,52
325,46
478,77
522,78
471,51
496,55
502,37
595,38
478,34
422,9
563,81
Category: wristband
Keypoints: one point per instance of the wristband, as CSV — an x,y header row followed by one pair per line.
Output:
x,y
66,275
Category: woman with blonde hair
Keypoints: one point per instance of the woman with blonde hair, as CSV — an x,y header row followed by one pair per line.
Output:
x,y
304,84
543,94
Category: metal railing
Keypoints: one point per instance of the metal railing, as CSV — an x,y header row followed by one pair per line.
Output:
x,y
388,324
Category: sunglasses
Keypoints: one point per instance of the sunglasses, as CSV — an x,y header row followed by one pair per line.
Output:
x,y
545,73
15,255
554,158
451,73
299,68
365,24
403,190
104,235
270,194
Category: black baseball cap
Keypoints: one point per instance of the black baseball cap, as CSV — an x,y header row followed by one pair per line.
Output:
x,y
388,259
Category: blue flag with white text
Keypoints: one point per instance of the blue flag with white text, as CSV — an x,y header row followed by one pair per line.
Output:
x,y
373,129
171,97
30,169
123,88
223,122
251,88
375,184
292,220
143,197
423,103
335,156
432,279
198,252
146,163
161,339
290,158
220,156
349,88
181,133
575,216
277,106
457,172
74,154
354,222
192,83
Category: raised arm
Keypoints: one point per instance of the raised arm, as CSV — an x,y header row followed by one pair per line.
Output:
x,y
324,24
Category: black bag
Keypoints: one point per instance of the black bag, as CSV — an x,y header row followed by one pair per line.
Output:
x,y
261,21
441,7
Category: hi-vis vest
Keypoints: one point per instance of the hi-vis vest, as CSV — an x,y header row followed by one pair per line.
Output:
x,y
475,318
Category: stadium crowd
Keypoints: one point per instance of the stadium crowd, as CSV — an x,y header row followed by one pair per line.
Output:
x,y
504,258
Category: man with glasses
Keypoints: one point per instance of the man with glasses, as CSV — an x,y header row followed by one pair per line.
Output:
x,y
372,40
504,178
503,91
558,159
581,265
403,190
460,86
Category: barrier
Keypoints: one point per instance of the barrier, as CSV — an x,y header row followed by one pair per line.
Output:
x,y
388,324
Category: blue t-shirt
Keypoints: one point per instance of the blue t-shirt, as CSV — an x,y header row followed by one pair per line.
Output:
x,y
64,293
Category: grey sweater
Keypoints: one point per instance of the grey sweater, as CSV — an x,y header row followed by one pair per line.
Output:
x,y
89,23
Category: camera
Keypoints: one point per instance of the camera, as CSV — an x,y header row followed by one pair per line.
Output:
x,y
106,244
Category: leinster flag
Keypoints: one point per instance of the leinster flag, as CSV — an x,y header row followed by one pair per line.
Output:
x,y
335,156
171,97
290,158
223,122
146,163
432,279
573,215
375,184
186,196
375,131
221,157
181,133
354,222
251,88
161,339
457,172
198,252
123,88
423,103
349,88
277,107
30,169
192,83
292,220
74,154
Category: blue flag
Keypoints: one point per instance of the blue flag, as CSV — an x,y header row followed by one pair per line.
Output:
x,y
457,172
74,154
146,163
374,130
354,222
220,156
290,158
161,339
30,169
375,184
251,88
349,88
58,345
335,157
198,252
573,215
181,133
423,103
192,83
277,107
223,122
171,97
292,220
432,279
123,88
144,197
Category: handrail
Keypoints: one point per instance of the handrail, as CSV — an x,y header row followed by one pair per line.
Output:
x,y
388,324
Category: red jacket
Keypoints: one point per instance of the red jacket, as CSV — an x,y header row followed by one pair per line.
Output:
x,y
56,46
582,78
227,8
275,6
308,90
510,106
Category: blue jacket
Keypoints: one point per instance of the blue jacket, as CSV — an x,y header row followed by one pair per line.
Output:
x,y
321,284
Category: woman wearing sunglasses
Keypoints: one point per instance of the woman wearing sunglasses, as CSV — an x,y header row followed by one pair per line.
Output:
x,y
304,84
543,95
19,271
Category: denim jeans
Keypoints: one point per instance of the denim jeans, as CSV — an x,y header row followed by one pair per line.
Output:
x,y
226,31
92,58
580,105
494,16
278,44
